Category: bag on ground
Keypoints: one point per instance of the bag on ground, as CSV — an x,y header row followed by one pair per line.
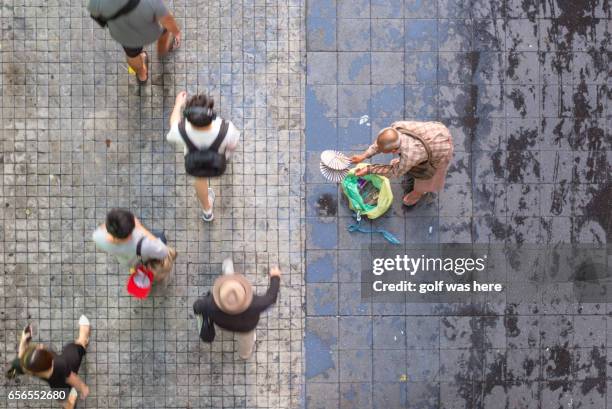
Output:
x,y
368,195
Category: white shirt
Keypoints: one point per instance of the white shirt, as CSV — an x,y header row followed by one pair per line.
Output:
x,y
125,252
203,139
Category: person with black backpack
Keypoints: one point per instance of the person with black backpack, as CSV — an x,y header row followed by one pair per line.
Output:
x,y
207,140
135,24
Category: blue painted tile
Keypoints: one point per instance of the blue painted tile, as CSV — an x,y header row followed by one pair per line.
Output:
x,y
313,173
391,224
353,34
355,365
322,396
353,136
422,332
355,333
398,308
322,68
322,200
424,395
389,395
353,68
353,101
423,364
421,101
387,68
321,9
356,395
387,102
420,228
455,35
421,35
321,34
387,8
352,304
421,67
322,333
322,298
321,233
388,35
455,8
420,8
353,240
321,266
389,332
353,8
389,365
321,110
456,101
349,266
321,364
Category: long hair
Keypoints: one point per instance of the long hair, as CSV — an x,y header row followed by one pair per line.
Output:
x,y
37,359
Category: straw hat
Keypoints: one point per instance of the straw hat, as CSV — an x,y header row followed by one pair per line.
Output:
x,y
232,293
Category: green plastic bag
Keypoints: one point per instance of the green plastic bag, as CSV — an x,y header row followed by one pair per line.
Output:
x,y
356,202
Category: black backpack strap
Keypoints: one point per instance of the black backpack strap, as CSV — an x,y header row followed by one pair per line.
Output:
x,y
181,127
222,132
131,5
139,247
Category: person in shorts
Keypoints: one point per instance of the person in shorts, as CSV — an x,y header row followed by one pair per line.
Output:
x,y
202,126
60,371
135,24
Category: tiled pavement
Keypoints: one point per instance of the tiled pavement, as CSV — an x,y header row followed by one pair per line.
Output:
x,y
79,137
524,86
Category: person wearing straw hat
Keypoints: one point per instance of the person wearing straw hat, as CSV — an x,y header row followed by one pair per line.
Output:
x,y
425,150
233,306
60,371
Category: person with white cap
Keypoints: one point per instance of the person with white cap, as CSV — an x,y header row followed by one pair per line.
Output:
x,y
60,371
233,306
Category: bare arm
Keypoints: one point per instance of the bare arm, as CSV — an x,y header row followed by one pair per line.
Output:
x,y
177,111
169,23
75,381
26,337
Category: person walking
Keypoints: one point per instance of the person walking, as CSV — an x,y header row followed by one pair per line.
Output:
x,y
425,150
233,306
195,126
60,371
130,242
135,24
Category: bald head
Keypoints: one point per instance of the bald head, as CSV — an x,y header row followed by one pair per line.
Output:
x,y
388,140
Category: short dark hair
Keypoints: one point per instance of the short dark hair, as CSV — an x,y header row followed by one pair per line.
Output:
x,y
37,359
199,110
120,223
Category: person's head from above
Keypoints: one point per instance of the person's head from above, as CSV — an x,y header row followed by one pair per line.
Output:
x,y
199,110
233,294
36,359
388,140
120,224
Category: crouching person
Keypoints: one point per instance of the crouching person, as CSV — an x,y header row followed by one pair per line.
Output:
x,y
60,371
233,306
130,243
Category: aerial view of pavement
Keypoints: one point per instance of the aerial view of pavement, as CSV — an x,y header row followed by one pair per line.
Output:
x,y
173,171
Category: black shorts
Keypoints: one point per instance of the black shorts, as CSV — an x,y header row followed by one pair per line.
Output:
x,y
73,355
132,52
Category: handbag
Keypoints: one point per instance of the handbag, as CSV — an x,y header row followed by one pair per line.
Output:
x,y
204,162
206,326
426,169
102,21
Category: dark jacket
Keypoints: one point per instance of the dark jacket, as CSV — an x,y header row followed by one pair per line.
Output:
x,y
245,321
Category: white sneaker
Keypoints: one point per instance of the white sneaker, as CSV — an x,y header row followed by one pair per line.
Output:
x,y
227,267
209,216
84,321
